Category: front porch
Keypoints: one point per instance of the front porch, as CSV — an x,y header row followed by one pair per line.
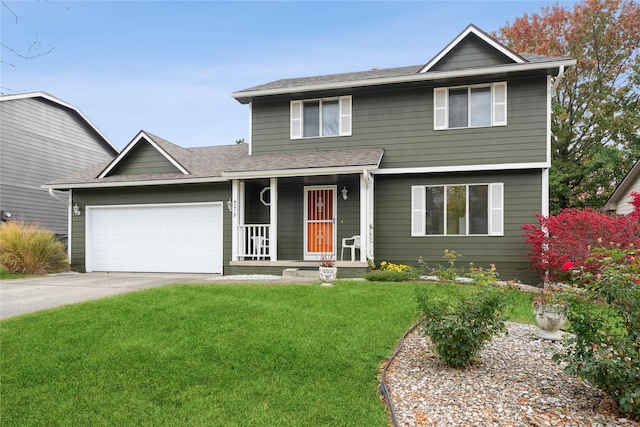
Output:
x,y
295,222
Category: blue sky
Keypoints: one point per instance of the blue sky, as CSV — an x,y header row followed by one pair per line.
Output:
x,y
170,67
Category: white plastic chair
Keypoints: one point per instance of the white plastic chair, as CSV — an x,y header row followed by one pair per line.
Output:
x,y
352,243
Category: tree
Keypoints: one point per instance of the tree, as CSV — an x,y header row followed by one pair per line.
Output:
x,y
595,120
33,51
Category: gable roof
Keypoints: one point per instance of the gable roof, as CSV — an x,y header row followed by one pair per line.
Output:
x,y
222,163
178,156
472,30
632,177
410,74
61,103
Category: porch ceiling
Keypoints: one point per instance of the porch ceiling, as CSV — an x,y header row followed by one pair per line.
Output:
x,y
319,162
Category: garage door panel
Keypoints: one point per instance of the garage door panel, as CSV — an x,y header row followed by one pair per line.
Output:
x,y
155,238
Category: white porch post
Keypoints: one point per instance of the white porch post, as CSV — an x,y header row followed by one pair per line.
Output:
x,y
273,219
235,219
366,216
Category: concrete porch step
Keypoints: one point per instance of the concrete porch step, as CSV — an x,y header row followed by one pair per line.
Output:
x,y
296,272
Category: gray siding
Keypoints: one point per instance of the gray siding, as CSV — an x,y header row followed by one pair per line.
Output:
x,y
144,158
401,121
522,200
470,53
41,141
143,195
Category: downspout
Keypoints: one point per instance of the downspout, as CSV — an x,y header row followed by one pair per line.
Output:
x,y
52,194
68,203
556,81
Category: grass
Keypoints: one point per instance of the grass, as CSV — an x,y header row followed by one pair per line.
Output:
x,y
5,274
209,355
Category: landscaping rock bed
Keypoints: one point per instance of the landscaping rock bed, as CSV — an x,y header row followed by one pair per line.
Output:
x,y
516,384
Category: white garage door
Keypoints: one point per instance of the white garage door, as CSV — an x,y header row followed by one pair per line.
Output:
x,y
167,238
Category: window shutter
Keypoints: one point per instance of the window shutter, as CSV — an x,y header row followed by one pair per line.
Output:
x,y
418,216
500,104
496,209
440,108
296,119
345,116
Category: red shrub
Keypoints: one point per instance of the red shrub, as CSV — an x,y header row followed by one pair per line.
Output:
x,y
569,236
635,201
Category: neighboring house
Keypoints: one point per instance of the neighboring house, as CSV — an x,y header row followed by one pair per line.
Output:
x,y
453,154
42,138
620,200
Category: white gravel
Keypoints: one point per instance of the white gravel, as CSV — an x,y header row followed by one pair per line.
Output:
x,y
516,384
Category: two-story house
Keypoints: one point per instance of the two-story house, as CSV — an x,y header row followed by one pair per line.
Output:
x,y
406,162
43,138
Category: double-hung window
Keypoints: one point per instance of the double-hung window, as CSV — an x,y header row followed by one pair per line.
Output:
x,y
470,106
457,210
321,117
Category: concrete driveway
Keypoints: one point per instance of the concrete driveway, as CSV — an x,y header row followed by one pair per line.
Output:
x,y
22,296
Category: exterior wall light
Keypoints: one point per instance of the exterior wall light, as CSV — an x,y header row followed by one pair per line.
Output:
x,y
230,205
6,216
345,193
76,210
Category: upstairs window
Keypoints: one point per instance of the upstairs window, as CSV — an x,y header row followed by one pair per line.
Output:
x,y
457,210
470,106
321,117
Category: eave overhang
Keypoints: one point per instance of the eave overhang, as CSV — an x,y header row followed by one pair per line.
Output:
x,y
285,173
112,184
549,67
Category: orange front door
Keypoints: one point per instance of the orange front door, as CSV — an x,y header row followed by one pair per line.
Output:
x,y
320,214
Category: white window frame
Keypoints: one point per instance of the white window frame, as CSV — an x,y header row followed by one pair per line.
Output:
x,y
345,106
495,210
498,105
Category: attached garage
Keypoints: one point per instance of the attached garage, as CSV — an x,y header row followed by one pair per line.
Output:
x,y
168,238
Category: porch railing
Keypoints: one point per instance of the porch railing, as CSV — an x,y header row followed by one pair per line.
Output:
x,y
253,242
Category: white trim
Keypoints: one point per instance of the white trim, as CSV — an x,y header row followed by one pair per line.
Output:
x,y
463,168
273,219
250,128
69,186
69,224
544,209
245,96
443,123
235,192
495,209
471,29
344,118
548,118
62,103
141,135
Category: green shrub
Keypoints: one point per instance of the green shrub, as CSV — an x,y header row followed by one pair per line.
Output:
x,y
30,249
605,346
483,276
449,272
459,330
390,272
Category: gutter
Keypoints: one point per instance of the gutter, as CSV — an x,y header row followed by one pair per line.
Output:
x,y
245,96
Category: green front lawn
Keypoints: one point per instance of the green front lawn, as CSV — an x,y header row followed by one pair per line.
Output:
x,y
207,355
